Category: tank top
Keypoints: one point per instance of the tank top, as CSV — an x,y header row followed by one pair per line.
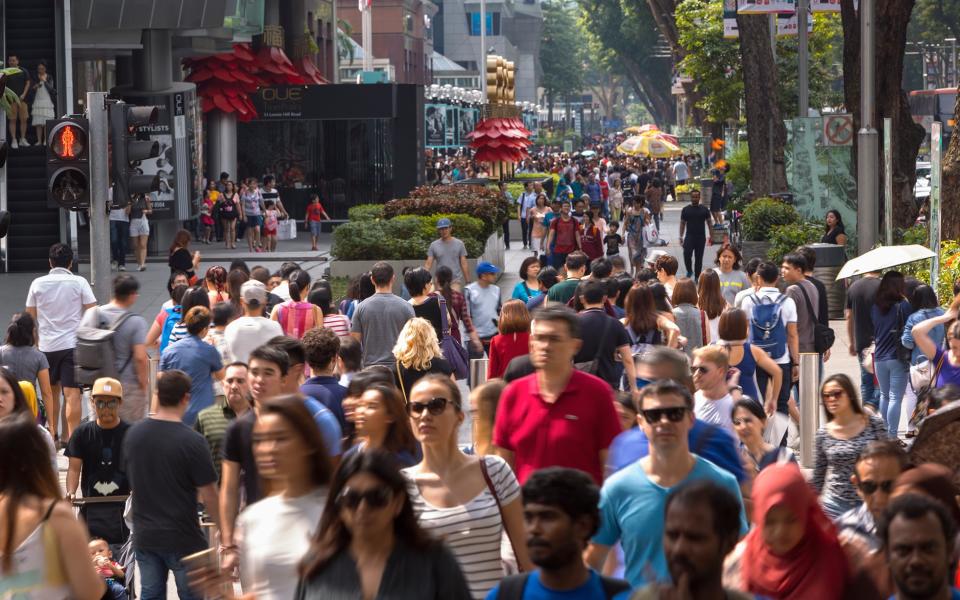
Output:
x,y
748,372
137,207
37,571
296,318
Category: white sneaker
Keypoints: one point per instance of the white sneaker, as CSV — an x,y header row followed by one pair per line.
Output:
x,y
24,143
14,144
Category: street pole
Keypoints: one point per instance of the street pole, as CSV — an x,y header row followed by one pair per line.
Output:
x,y
888,181
803,57
772,24
366,22
99,188
482,65
809,408
953,61
936,147
867,137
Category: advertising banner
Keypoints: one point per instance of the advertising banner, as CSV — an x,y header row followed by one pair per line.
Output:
x,y
758,7
436,128
730,30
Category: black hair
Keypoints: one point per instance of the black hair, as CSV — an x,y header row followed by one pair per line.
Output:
x,y
239,265
222,314
644,275
665,387
795,260
416,280
287,268
524,267
365,287
751,267
809,256
271,354
916,506
321,295
571,490
291,347
660,300
350,354
883,448
593,291
172,386
723,505
751,405
768,272
548,277
194,296
320,345
381,273
177,293
299,282
555,312
21,330
124,286
61,255
600,268
924,296
173,277
576,261
224,175
939,397
890,292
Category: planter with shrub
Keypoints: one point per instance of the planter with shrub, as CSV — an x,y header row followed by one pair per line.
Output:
x,y
757,223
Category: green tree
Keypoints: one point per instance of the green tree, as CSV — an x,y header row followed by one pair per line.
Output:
x,y
826,56
561,52
711,61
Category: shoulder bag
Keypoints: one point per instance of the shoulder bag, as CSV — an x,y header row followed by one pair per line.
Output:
x,y
592,367
923,394
452,350
496,498
823,335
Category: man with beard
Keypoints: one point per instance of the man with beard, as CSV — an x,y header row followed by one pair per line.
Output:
x,y
560,515
701,527
918,535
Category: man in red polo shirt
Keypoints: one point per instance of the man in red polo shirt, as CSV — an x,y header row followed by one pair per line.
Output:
x,y
558,416
564,237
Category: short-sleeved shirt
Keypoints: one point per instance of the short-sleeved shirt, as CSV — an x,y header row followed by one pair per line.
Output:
x,y
602,335
447,254
199,360
58,297
534,589
860,297
570,432
564,290
167,462
631,512
329,392
315,212
101,452
886,328
484,305
696,219
732,283
565,234
212,424
132,332
788,314
24,361
716,412
238,447
948,372
18,81
379,320
805,318
245,334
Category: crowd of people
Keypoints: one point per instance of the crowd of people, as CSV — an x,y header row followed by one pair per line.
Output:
x,y
635,436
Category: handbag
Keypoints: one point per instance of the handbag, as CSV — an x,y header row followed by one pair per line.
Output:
x,y
923,394
823,335
496,498
453,351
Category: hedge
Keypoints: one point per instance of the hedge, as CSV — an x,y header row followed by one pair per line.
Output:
x,y
406,237
762,215
365,212
476,201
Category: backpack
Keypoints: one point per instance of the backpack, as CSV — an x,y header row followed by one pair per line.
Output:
x,y
767,330
95,356
641,344
512,587
171,320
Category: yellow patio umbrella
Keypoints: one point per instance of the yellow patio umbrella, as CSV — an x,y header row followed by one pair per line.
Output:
x,y
649,145
638,129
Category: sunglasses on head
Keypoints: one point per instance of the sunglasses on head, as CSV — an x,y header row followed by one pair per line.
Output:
x,y
106,403
434,406
673,414
869,487
377,497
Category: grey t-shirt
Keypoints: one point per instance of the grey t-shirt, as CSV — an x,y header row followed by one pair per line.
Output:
x,y
133,331
24,361
732,283
379,319
447,254
805,319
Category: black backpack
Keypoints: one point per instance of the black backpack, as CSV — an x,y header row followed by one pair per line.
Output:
x,y
512,587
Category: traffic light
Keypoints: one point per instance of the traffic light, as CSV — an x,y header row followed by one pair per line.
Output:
x,y
68,165
126,151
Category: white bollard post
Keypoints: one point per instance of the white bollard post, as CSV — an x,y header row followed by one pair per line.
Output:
x,y
809,406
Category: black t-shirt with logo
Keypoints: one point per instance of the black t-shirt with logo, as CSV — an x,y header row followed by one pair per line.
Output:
x,y
101,474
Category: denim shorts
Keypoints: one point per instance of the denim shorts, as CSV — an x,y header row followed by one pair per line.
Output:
x,y
139,227
315,228
254,220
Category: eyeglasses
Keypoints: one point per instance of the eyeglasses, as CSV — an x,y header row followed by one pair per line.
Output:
x,y
700,369
831,395
673,414
106,403
377,497
869,487
434,406
642,383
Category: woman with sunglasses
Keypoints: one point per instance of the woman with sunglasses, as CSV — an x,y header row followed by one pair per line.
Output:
x,y
380,418
369,544
838,444
466,500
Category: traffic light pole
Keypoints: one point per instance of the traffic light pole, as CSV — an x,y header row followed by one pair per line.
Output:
x,y
99,195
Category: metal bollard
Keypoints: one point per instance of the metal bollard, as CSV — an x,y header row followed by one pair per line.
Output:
x,y
478,371
809,407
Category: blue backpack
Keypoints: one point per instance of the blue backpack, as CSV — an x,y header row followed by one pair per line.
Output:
x,y
767,330
173,317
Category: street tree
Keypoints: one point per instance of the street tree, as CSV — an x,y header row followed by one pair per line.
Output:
x,y
561,54
712,62
950,184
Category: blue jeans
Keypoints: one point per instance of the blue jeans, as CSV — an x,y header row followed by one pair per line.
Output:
x,y
869,393
893,375
119,241
154,567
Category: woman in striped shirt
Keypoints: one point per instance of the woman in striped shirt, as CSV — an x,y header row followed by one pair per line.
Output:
x,y
322,296
466,501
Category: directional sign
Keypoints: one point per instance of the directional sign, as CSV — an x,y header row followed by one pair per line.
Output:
x,y
838,130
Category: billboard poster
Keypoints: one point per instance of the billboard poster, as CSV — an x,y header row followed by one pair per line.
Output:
x,y
451,133
756,7
788,25
436,125
468,120
164,201
824,6
730,30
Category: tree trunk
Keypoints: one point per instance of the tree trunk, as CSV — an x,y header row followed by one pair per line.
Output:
x,y
892,19
653,96
950,184
766,133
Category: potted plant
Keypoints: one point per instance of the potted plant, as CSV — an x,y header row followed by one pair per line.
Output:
x,y
683,192
758,220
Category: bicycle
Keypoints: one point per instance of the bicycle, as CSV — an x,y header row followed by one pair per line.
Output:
x,y
733,220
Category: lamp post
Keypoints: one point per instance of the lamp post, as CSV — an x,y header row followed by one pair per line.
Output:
x,y
867,137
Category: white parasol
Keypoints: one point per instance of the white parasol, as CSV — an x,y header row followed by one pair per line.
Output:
x,y
884,257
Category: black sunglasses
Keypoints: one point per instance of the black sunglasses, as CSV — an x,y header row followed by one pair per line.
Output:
x,y
832,395
655,415
700,369
434,406
106,403
377,497
869,487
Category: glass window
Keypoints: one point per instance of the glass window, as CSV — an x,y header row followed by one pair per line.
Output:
x,y
493,23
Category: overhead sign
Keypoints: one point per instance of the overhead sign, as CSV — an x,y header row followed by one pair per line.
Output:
x,y
787,25
838,130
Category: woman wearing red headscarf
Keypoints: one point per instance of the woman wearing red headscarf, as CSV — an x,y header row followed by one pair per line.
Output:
x,y
792,552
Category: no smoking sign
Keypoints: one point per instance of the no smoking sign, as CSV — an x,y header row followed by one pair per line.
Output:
x,y
838,130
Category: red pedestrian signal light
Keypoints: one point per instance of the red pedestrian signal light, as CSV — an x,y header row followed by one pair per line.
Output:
x,y
68,142
68,168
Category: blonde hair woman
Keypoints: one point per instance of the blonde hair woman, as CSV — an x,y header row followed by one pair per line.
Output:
x,y
418,353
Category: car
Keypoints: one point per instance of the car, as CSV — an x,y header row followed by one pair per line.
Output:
x,y
921,189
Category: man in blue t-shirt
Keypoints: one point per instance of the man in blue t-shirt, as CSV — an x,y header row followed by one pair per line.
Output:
x,y
632,501
560,514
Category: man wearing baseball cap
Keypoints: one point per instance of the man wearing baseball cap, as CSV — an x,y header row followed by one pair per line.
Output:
x,y
448,251
252,329
483,300
95,452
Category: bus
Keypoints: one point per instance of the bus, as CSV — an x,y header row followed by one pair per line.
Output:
x,y
929,106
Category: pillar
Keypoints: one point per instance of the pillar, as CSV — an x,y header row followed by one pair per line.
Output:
x,y
221,144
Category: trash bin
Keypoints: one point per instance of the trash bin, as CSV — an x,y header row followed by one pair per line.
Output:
x,y
830,259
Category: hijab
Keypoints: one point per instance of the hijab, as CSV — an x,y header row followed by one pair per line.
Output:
x,y
817,566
